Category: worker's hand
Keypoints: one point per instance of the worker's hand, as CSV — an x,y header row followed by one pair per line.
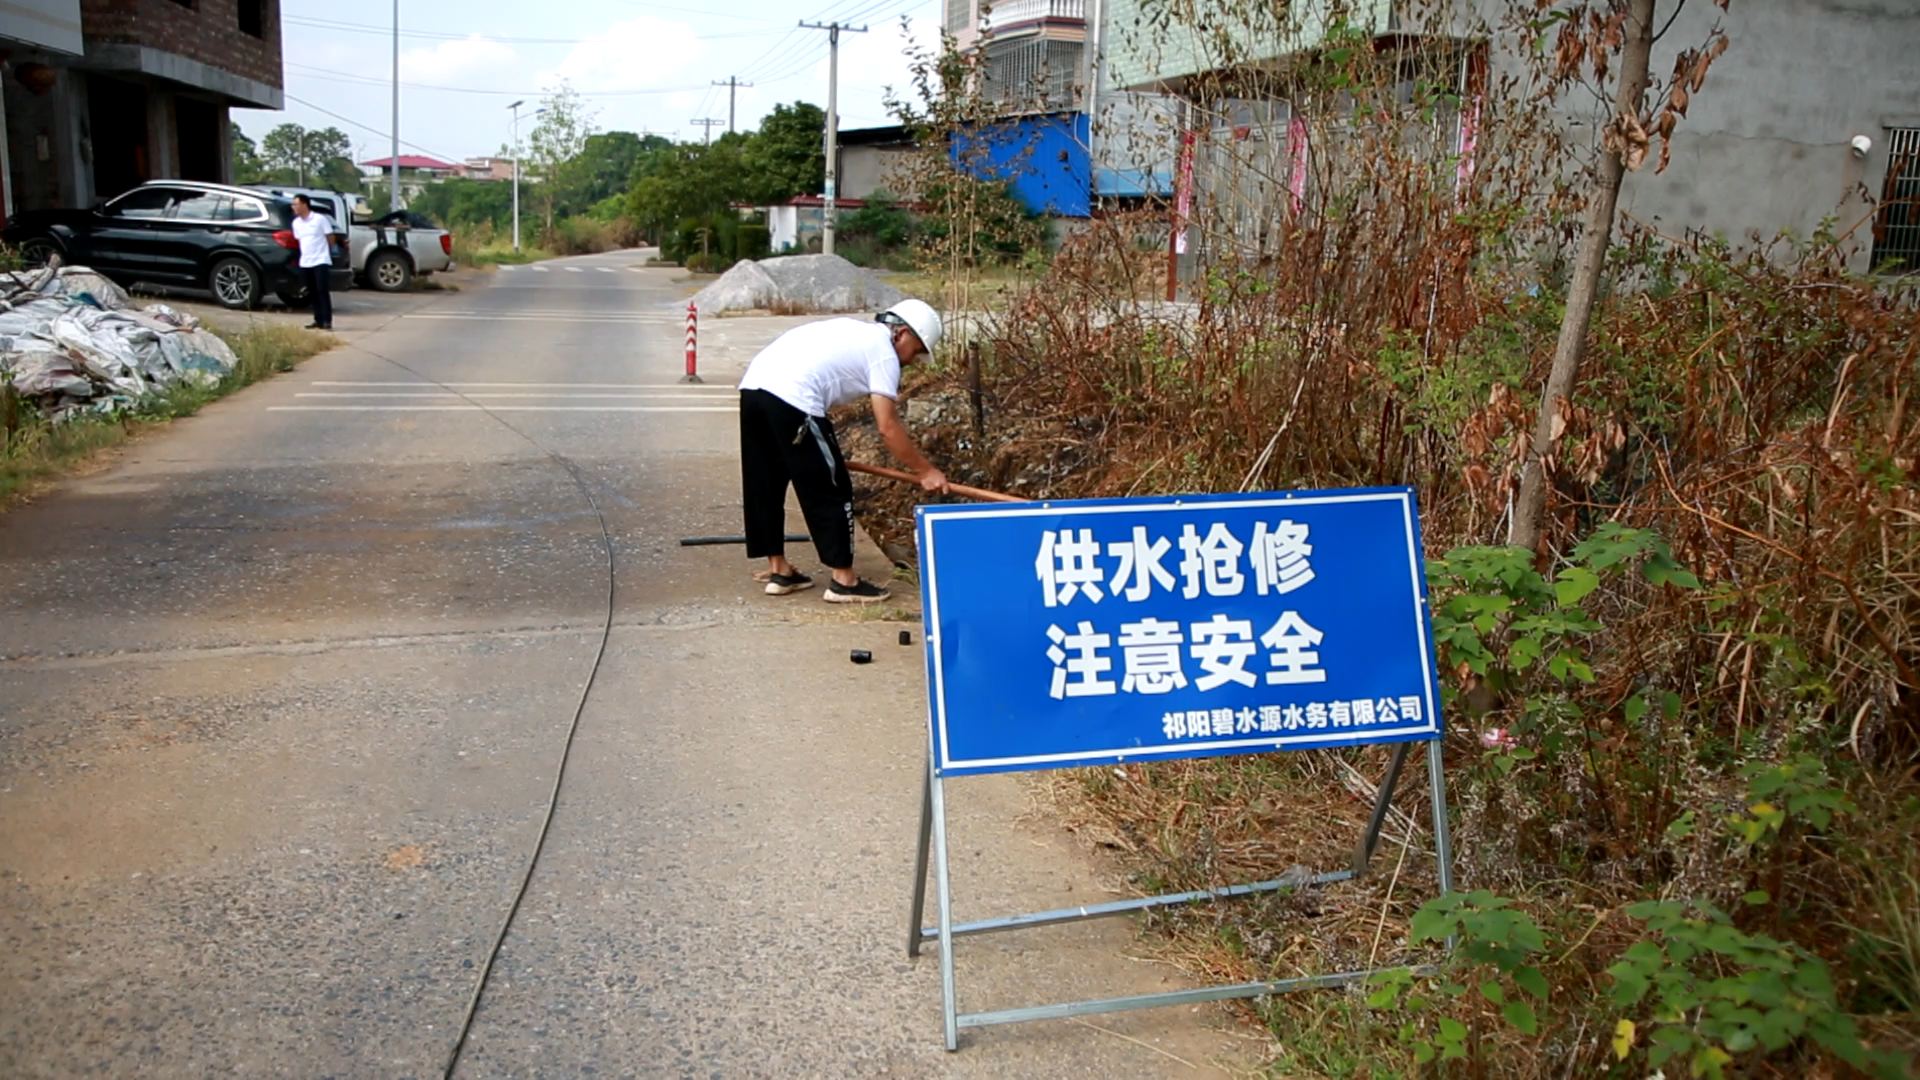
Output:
x,y
933,481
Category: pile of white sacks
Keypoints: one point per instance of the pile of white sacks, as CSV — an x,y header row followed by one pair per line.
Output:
x,y
70,342
797,285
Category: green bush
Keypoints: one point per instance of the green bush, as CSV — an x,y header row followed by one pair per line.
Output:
x,y
753,242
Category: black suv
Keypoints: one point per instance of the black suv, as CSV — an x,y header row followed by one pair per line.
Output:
x,y
231,241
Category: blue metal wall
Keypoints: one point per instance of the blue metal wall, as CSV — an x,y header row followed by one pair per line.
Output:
x,y
1044,158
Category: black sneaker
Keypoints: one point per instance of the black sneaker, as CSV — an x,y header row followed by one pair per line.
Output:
x,y
782,584
860,592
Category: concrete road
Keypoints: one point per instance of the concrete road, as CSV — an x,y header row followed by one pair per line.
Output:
x,y
283,692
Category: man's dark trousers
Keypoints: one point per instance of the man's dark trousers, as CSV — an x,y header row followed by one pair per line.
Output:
x,y
780,444
320,291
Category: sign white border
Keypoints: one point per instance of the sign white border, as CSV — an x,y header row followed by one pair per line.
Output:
x,y
944,761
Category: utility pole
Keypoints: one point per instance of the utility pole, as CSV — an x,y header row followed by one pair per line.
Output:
x,y
515,107
708,122
393,188
301,155
833,121
732,84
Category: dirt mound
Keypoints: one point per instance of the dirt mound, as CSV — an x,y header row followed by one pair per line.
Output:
x,y
797,285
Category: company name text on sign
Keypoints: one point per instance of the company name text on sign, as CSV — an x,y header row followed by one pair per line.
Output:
x,y
1082,632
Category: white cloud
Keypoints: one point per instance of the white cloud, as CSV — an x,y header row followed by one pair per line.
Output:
x,y
457,62
639,54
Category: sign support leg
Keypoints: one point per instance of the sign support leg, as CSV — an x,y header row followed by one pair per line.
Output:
x,y
937,801
1381,802
920,863
1442,844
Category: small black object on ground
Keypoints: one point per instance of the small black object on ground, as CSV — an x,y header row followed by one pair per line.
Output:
x,y
860,656
906,637
710,541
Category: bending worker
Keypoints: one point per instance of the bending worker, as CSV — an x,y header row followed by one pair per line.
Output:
x,y
785,436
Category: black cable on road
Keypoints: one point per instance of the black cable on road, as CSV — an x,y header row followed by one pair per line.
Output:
x,y
573,726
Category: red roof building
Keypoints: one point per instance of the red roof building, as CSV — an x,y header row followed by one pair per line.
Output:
x,y
419,162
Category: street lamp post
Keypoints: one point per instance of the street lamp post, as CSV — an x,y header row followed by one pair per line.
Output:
x,y
516,173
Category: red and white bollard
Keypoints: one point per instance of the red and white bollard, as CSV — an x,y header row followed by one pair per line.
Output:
x,y
693,367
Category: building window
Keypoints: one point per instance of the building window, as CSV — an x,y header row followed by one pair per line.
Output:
x,y
959,15
253,17
1896,228
1033,74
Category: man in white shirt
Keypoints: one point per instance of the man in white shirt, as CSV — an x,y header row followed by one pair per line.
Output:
x,y
785,436
314,233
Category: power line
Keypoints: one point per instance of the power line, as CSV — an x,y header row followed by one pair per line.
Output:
x,y
369,129
441,35
368,80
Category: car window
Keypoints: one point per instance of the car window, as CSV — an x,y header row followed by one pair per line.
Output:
x,y
203,206
244,210
149,203
324,205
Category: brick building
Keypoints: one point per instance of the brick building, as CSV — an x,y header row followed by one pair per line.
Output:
x,y
141,91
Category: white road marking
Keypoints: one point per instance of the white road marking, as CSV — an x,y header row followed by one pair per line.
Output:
x,y
505,267
575,270
501,408
708,387
606,269
642,313
482,395
577,317
538,269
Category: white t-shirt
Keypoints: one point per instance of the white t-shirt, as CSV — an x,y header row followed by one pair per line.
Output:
x,y
823,364
312,232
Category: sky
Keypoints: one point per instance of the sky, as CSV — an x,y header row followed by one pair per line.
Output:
x,y
640,66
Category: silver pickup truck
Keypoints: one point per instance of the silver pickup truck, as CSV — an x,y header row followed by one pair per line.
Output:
x,y
386,254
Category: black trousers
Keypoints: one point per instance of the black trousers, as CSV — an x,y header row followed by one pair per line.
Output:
x,y
320,290
781,445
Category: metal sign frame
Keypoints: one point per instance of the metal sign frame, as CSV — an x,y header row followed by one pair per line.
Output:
x,y
933,840
932,847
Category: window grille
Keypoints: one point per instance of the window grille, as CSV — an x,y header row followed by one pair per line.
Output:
x,y
959,15
1034,74
1896,228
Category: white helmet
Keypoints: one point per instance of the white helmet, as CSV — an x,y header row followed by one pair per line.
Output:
x,y
920,318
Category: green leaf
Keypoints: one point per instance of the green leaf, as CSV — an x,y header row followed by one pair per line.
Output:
x,y
1681,827
1520,1015
1423,1053
1635,708
1755,898
1575,583
1384,998
1492,992
1528,978
1452,1031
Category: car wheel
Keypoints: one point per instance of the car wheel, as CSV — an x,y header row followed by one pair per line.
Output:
x,y
389,272
234,283
298,298
40,250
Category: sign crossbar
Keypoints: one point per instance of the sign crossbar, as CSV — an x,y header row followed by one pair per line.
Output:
x,y
932,842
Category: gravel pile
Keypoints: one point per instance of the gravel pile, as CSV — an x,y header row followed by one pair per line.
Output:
x,y
797,285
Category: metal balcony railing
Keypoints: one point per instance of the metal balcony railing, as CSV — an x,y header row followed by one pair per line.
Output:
x,y
1010,12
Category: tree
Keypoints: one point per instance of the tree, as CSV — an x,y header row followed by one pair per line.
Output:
x,y
559,137
302,154
787,156
686,180
604,167
246,164
1585,42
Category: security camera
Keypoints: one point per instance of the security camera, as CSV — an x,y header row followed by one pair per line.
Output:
x,y
1861,144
